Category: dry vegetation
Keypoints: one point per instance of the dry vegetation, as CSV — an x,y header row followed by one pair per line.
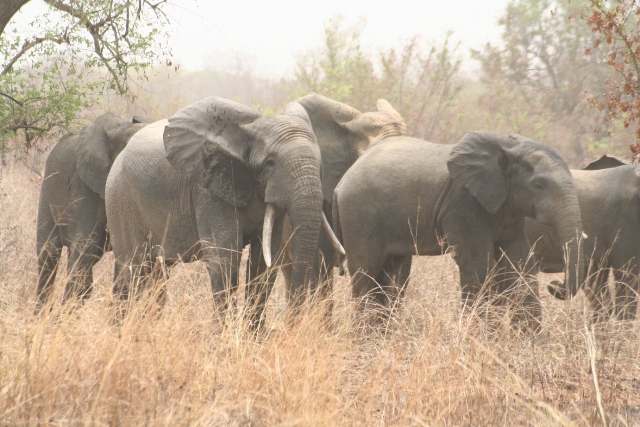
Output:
x,y
430,366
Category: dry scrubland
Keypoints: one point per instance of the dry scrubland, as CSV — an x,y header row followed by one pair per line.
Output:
x,y
430,366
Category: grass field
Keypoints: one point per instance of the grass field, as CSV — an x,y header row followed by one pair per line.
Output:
x,y
431,365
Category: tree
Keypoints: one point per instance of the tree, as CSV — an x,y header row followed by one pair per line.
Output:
x,y
338,69
537,77
616,26
420,80
79,50
423,83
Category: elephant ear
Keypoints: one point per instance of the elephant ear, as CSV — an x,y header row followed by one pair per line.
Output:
x,y
479,162
96,150
294,109
207,142
383,106
327,120
319,106
370,127
606,162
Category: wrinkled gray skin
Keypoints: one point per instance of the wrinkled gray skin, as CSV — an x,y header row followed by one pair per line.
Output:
x,y
71,209
199,188
343,134
609,196
472,196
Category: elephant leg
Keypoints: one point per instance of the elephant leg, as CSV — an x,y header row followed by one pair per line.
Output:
x,y
128,274
259,286
324,291
223,263
598,295
365,267
391,283
474,255
626,298
515,280
49,252
82,258
154,282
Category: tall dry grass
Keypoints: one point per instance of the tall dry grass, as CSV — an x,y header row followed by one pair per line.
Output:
x,y
431,365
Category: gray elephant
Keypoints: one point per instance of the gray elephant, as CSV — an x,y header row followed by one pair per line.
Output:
x,y
343,134
407,197
71,210
608,192
203,184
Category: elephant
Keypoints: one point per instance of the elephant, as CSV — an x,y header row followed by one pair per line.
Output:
x,y
407,197
608,193
343,134
203,184
71,209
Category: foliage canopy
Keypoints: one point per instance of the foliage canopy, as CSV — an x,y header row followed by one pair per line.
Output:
x,y
68,57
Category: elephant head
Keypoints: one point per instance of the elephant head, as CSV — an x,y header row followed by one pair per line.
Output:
x,y
238,154
98,146
344,133
517,175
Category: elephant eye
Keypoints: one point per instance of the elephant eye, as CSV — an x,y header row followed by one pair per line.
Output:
x,y
270,162
538,184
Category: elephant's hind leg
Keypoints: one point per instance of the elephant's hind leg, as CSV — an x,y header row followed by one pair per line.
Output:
x,y
394,279
49,252
599,296
626,297
82,257
366,279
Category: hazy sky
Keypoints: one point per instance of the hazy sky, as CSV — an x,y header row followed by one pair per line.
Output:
x,y
271,32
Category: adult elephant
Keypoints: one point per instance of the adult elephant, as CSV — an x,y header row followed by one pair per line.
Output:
x,y
71,210
205,182
407,197
343,134
609,197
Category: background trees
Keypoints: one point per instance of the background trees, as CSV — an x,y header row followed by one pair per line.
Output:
x,y
422,80
616,29
69,57
564,73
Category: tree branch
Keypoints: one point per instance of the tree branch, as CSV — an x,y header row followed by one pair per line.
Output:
x,y
11,98
29,44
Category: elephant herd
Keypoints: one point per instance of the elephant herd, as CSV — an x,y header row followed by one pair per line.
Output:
x,y
218,176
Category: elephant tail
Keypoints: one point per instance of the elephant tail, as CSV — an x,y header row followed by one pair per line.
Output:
x,y
337,230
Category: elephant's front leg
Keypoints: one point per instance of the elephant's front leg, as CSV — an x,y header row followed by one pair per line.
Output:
x,y
222,256
326,262
221,240
259,284
472,244
515,278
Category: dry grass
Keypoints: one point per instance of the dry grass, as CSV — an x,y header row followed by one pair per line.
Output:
x,y
430,366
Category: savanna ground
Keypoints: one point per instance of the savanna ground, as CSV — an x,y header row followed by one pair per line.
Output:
x,y
432,365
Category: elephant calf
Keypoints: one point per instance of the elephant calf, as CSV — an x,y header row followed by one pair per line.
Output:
x,y
71,210
407,197
609,196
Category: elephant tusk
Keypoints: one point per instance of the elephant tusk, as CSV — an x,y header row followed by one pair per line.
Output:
x,y
332,237
267,229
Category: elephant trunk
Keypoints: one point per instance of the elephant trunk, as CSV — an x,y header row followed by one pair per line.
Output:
x,y
305,210
569,232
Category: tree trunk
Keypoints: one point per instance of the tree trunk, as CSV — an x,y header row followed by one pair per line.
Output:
x,y
8,8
